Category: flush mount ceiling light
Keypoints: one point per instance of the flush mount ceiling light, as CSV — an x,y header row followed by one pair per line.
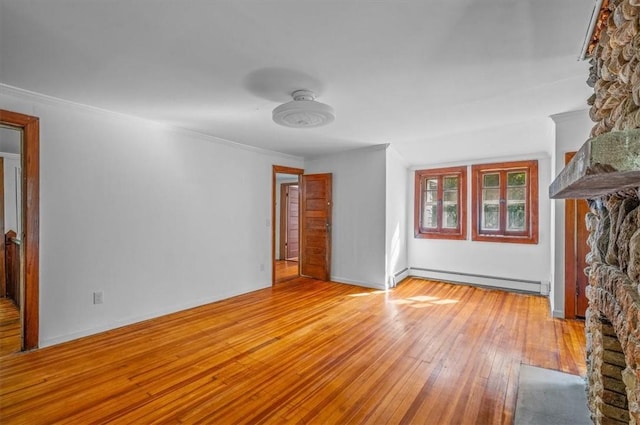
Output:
x,y
303,111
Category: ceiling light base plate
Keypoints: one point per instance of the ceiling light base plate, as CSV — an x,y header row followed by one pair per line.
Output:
x,y
303,111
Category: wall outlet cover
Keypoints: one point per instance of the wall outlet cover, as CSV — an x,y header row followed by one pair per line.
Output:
x,y
98,297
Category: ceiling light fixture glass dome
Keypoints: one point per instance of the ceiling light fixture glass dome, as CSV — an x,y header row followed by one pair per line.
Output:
x,y
303,111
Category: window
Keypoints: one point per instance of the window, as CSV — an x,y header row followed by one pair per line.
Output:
x,y
440,197
505,202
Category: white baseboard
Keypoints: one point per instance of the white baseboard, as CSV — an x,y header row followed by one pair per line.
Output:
x,y
545,288
519,285
46,342
372,285
398,277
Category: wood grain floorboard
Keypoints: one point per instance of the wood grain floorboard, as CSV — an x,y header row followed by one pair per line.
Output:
x,y
303,352
286,270
10,337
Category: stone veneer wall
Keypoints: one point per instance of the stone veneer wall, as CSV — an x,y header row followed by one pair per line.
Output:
x,y
613,333
615,70
607,390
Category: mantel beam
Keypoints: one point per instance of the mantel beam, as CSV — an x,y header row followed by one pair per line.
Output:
x,y
605,164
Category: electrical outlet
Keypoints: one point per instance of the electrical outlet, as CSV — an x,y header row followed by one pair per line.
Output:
x,y
98,297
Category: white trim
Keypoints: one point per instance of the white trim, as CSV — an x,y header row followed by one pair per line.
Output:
x,y
368,148
558,314
569,115
54,101
480,280
346,281
398,277
137,319
406,164
545,288
592,24
10,155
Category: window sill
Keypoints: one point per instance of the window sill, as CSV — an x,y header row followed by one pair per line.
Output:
x,y
451,236
529,240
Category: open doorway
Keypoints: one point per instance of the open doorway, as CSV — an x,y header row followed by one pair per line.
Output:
x,y
314,219
21,245
10,227
286,231
287,228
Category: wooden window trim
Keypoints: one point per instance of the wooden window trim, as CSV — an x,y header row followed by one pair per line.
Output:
x,y
530,236
460,233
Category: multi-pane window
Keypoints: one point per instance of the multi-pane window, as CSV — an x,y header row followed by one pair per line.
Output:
x,y
505,202
440,196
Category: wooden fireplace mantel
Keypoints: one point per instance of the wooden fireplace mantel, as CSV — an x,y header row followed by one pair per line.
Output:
x,y
605,164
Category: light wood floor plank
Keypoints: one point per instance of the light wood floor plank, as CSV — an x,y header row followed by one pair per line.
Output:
x,y
302,352
10,338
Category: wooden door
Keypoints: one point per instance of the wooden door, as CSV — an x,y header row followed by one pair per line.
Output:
x,y
576,250
582,249
315,221
293,230
3,273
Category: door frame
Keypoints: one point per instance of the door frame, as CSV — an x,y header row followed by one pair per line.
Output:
x,y
3,270
278,169
30,265
570,252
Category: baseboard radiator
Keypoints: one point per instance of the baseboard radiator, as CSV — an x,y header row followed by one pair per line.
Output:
x,y
517,285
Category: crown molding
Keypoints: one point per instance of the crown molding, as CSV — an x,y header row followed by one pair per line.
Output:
x,y
569,115
57,102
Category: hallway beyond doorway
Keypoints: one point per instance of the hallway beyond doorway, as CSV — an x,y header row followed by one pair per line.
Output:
x,y
9,327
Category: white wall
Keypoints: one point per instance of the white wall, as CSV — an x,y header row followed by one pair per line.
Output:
x,y
10,141
159,219
571,131
358,233
530,137
396,217
507,265
12,191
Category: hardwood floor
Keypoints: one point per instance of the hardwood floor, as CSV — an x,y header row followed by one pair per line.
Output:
x,y
286,270
9,327
307,352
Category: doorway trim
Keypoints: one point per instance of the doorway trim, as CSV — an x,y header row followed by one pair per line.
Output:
x,y
569,259
571,240
3,271
30,160
277,169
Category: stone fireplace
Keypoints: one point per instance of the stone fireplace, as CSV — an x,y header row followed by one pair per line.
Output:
x,y
613,344
606,172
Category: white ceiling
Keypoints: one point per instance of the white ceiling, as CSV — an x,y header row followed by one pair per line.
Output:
x,y
396,71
